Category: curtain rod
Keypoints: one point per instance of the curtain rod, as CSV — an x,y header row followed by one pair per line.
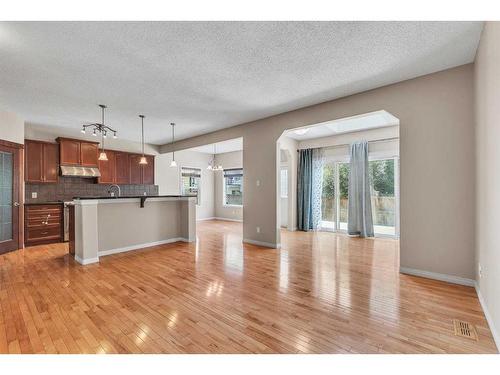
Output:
x,y
348,144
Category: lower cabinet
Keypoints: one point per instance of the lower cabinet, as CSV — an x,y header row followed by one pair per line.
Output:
x,y
43,224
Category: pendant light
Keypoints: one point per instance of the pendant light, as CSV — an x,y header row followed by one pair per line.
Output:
x,y
173,163
143,159
212,166
102,155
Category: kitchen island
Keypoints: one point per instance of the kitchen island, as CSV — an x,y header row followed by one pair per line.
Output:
x,y
110,225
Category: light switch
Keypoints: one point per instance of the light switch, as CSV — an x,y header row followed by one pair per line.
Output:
x,y
258,182
34,195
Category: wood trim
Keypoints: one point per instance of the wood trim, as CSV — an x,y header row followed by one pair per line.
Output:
x,y
17,191
11,144
75,140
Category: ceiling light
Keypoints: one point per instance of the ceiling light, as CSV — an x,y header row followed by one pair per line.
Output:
x,y
83,130
114,135
301,131
103,156
173,163
94,133
143,159
211,165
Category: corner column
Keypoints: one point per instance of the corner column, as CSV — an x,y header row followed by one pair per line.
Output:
x,y
86,232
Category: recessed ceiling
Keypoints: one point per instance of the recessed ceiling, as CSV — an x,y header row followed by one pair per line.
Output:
x,y
210,75
373,120
220,147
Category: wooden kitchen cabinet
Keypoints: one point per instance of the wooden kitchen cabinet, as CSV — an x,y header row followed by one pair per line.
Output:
x,y
50,162
43,224
41,161
78,152
122,168
135,169
108,169
148,171
69,151
89,154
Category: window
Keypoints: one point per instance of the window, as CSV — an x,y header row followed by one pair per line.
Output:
x,y
233,187
191,182
284,182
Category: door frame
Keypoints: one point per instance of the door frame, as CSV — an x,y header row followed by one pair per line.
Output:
x,y
17,212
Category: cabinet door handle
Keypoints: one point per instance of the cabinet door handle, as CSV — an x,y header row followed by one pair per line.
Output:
x,y
45,232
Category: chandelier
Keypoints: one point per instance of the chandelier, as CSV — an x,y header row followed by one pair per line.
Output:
x,y
211,165
103,130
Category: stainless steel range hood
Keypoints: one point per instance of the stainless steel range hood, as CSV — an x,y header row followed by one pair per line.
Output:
x,y
77,171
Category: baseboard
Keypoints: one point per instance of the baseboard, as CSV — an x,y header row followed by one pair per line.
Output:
x,y
264,244
489,319
142,246
86,261
206,218
227,219
438,276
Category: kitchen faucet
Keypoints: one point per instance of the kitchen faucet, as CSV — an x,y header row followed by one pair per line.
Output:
x,y
111,192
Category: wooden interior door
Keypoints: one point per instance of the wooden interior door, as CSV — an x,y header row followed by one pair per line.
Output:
x,y
9,197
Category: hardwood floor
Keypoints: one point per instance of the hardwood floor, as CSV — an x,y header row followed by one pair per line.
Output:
x,y
321,293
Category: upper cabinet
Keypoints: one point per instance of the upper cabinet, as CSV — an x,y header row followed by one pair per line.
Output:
x,y
88,154
41,161
107,168
77,152
135,169
148,171
122,168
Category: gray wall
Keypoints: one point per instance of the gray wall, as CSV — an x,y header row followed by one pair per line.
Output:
x,y
168,178
437,165
487,94
11,127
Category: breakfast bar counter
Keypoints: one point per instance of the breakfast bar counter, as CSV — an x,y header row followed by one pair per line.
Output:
x,y
109,225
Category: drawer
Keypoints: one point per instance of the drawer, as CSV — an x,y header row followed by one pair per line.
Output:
x,y
43,233
33,223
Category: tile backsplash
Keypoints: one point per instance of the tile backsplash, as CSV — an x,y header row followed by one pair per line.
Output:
x,y
69,187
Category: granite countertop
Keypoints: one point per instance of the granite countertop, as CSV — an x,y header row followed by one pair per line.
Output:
x,y
136,197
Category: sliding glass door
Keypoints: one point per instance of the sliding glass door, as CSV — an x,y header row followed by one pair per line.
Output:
x,y
334,196
384,196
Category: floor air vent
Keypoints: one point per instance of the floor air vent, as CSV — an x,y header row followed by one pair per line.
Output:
x,y
464,329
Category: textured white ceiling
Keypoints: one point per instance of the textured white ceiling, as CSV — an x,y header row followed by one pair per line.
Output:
x,y
210,75
220,147
378,119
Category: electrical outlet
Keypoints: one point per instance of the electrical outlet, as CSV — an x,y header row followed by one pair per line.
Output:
x,y
34,195
258,229
258,182
480,271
